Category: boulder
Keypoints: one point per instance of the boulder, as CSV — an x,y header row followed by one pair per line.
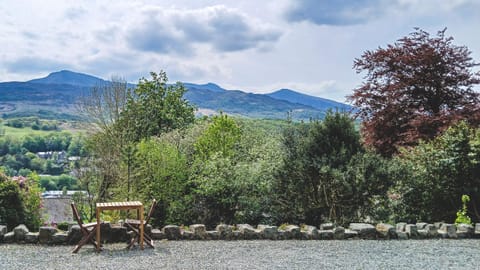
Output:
x,y
476,233
3,231
199,231
31,238
293,232
247,231
157,234
225,231
9,237
432,230
45,234
326,226
386,231
400,227
311,232
421,225
339,233
188,235
172,232
326,235
412,231
118,233
364,230
350,234
447,231
402,235
268,232
59,238
20,231
212,235
465,230
74,235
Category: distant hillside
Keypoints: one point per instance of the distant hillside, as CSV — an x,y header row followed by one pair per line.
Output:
x,y
55,95
70,78
315,102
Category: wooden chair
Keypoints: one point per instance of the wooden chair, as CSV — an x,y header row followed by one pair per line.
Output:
x,y
88,230
134,225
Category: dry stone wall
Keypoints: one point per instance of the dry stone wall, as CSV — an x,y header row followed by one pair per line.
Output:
x,y
118,233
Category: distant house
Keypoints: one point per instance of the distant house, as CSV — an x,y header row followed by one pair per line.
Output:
x,y
58,156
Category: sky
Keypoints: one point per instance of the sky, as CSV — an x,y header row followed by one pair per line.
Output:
x,y
255,46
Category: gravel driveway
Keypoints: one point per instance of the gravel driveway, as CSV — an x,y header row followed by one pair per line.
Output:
x,y
348,254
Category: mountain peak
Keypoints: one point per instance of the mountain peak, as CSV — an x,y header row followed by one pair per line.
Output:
x,y
69,77
208,86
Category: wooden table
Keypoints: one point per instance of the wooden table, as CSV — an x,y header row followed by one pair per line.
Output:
x,y
120,206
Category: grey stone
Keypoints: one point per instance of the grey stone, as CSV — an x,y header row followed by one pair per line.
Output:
x,y
199,231
237,235
188,235
350,234
421,225
465,230
339,233
212,235
247,231
158,234
311,232
172,232
365,230
74,235
326,234
477,230
31,238
293,232
281,235
432,230
400,227
447,231
9,237
118,233
386,231
412,231
268,232
402,235
326,226
3,231
20,231
59,238
45,234
225,231
304,235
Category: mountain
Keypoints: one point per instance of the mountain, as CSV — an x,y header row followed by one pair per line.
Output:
x,y
315,102
70,78
55,95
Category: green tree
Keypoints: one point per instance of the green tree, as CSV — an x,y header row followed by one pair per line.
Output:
x,y
220,137
162,173
155,108
310,182
442,170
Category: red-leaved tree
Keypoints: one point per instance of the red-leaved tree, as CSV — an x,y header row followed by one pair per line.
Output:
x,y
414,89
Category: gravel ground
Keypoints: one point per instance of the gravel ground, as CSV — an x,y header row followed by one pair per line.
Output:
x,y
348,254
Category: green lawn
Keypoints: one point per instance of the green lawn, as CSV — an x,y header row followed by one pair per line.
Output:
x,y
22,132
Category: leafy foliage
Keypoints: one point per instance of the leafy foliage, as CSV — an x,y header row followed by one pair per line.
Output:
x,y
462,216
414,90
440,172
155,108
325,173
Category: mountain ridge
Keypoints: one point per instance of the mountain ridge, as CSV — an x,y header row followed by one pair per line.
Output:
x,y
59,90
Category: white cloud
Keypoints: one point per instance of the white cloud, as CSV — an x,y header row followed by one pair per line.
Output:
x,y
258,46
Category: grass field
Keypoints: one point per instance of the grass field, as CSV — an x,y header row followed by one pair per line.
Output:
x,y
22,132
